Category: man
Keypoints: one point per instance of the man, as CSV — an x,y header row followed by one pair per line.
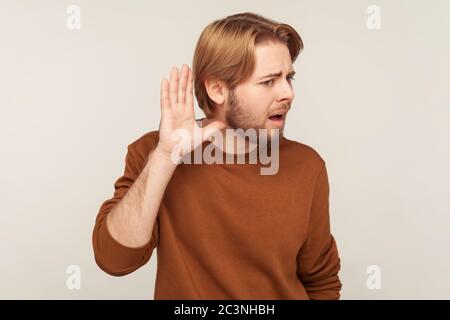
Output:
x,y
225,231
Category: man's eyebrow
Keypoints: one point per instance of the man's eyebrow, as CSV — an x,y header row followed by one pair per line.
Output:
x,y
277,74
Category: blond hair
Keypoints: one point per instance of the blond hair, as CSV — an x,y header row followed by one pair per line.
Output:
x,y
225,51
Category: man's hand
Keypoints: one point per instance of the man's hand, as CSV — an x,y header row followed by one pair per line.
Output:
x,y
177,115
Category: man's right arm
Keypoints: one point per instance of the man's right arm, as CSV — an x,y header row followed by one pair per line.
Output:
x,y
126,231
130,221
126,228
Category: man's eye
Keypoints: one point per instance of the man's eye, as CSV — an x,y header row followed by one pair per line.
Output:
x,y
266,83
269,82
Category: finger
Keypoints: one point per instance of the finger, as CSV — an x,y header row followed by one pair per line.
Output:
x,y
189,95
165,101
173,87
182,84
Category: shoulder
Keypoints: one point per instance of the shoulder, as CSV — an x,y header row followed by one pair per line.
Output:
x,y
304,156
304,151
144,144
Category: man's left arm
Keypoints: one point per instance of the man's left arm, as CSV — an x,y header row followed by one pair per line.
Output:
x,y
318,261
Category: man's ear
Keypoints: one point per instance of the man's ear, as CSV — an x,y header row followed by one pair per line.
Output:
x,y
217,91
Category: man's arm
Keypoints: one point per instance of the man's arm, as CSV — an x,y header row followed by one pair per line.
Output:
x,y
318,261
126,229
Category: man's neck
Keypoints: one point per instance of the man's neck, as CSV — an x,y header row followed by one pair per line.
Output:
x,y
239,145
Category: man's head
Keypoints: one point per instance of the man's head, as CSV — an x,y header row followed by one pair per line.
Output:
x,y
232,64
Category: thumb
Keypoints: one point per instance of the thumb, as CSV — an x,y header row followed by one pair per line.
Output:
x,y
212,128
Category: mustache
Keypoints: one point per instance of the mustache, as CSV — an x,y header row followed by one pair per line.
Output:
x,y
282,109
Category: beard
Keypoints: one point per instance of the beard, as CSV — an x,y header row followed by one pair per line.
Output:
x,y
238,117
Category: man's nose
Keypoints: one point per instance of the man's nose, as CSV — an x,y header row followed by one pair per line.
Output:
x,y
286,92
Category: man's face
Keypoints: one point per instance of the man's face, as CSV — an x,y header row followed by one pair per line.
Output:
x,y
254,103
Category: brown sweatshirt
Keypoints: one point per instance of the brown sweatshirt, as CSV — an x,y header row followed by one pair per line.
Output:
x,y
224,231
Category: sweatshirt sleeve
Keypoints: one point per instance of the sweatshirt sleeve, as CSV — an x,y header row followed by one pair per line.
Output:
x,y
111,256
318,261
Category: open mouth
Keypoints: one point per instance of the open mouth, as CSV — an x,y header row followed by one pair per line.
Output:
x,y
277,120
276,117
